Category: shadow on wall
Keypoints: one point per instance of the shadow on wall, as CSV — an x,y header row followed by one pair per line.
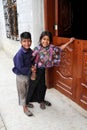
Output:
x,y
9,46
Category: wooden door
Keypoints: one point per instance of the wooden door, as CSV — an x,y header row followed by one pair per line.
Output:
x,y
70,78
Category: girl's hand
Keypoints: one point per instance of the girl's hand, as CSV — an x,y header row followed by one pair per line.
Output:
x,y
72,39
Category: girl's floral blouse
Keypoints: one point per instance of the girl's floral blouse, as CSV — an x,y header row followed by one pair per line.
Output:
x,y
47,56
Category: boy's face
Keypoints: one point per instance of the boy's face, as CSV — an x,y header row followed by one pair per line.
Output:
x,y
26,43
45,41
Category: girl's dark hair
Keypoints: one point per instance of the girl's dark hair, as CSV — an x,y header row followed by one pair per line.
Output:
x,y
25,35
46,33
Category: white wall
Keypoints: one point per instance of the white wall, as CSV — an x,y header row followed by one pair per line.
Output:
x,y
10,46
30,18
38,19
2,22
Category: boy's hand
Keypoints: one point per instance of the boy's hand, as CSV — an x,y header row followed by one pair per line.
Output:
x,y
33,74
33,68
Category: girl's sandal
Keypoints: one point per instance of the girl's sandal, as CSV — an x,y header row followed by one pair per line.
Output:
x,y
42,105
47,103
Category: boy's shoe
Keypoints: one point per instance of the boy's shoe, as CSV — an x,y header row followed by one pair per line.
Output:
x,y
28,113
42,105
30,105
47,103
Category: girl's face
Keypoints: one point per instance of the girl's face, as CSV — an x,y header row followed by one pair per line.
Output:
x,y
26,43
45,41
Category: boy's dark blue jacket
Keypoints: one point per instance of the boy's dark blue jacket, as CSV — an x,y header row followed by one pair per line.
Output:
x,y
22,62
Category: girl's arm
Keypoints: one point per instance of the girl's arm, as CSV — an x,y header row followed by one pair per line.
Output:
x,y
66,44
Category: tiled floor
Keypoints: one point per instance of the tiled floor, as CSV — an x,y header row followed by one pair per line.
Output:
x,y
60,116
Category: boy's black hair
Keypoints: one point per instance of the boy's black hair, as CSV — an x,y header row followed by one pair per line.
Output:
x,y
25,35
46,33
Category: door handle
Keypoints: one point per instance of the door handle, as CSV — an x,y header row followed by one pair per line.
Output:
x,y
55,26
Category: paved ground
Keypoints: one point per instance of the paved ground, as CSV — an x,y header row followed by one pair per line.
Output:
x,y
60,116
2,125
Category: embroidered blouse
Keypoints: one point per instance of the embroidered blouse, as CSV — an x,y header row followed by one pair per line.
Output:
x,y
47,56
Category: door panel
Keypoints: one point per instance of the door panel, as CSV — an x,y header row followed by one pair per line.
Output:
x,y
49,6
71,75
83,85
64,18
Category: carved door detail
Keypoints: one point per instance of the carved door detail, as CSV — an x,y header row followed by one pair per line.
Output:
x,y
64,77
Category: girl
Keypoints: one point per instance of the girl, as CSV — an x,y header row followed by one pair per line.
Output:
x,y
46,55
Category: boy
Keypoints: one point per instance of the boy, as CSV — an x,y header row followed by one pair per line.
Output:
x,y
22,68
